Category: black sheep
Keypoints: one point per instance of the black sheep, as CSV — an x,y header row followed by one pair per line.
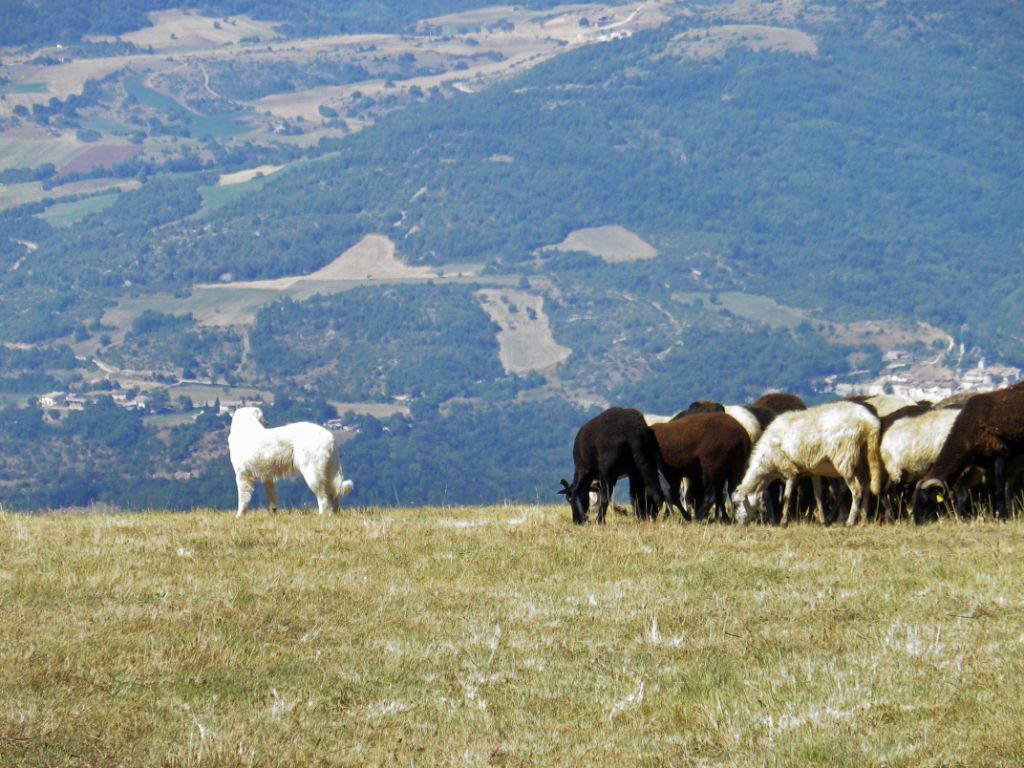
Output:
x,y
614,443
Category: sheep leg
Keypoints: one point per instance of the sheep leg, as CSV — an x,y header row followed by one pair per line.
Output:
x,y
857,491
604,495
999,488
700,491
786,494
244,494
720,504
771,503
819,503
707,503
713,495
887,504
271,491
643,505
685,496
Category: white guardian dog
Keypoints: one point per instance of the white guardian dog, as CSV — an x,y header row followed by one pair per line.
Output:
x,y
259,454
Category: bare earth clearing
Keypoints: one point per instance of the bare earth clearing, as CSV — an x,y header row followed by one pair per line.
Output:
x,y
525,340
240,177
370,261
506,636
177,30
372,258
612,244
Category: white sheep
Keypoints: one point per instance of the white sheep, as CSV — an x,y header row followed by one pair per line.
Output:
x,y
834,440
748,420
911,445
259,454
886,404
909,448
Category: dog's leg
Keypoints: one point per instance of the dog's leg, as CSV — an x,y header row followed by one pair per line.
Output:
x,y
271,491
244,494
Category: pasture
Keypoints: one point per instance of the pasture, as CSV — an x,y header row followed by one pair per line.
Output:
x,y
505,636
66,214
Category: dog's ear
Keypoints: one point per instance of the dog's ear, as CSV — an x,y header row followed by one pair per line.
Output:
x,y
566,488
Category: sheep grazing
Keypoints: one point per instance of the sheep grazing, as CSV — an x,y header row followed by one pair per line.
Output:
x,y
955,401
780,402
912,438
988,432
614,443
753,419
882,405
710,450
835,440
263,455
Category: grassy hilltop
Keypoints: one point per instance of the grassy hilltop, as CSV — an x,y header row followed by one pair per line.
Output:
x,y
505,636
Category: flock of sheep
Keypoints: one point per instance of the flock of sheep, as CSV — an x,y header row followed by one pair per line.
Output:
x,y
887,452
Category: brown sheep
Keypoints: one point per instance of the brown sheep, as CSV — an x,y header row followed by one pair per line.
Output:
x,y
780,402
710,450
988,433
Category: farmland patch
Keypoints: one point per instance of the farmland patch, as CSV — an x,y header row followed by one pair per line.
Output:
x,y
714,42
65,214
612,244
105,156
240,177
749,306
525,340
178,30
371,261
29,147
19,194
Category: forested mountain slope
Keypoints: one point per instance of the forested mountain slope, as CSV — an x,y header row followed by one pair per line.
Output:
x,y
856,162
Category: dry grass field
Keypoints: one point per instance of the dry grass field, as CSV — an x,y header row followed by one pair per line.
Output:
x,y
505,636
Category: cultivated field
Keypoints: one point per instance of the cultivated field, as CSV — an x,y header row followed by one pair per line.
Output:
x,y
612,244
504,636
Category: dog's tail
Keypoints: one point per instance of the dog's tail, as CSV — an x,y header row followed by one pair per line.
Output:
x,y
342,487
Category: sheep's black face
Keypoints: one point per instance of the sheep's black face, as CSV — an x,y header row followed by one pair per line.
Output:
x,y
927,504
579,501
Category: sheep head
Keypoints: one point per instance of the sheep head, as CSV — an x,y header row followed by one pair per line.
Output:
x,y
579,501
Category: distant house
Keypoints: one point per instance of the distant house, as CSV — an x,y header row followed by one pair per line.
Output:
x,y
52,400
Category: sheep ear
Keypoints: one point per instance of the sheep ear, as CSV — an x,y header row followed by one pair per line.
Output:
x,y
566,488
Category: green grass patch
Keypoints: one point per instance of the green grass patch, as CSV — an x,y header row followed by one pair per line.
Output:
x,y
32,153
749,306
65,214
199,126
107,126
216,196
505,636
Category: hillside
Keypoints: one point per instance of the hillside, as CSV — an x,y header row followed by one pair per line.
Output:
x,y
567,206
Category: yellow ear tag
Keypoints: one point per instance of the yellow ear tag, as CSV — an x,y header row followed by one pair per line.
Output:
x,y
939,498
